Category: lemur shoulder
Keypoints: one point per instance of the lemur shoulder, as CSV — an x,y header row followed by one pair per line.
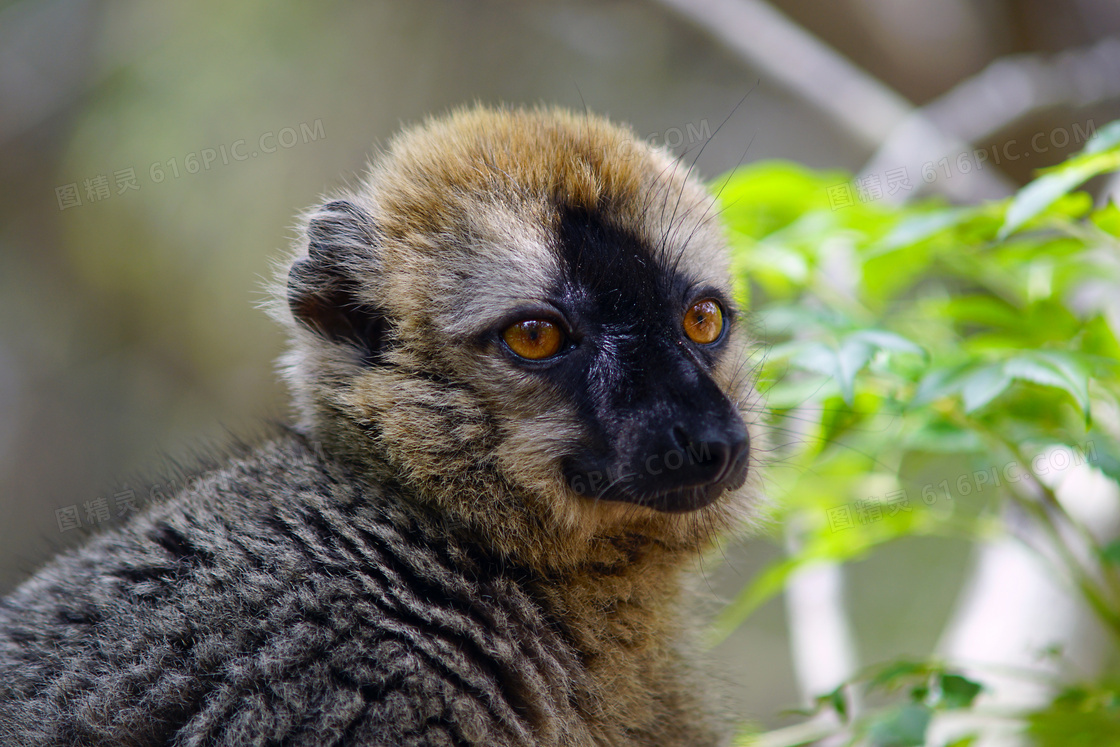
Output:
x,y
522,411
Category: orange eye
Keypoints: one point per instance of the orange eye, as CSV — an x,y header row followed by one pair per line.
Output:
x,y
534,339
703,322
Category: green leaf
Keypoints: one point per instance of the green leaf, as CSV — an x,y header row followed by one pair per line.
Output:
x,y
1105,138
794,391
902,727
1110,553
765,585
1078,717
841,364
943,437
838,700
1039,195
919,228
984,310
1052,368
958,691
966,741
884,340
804,734
766,196
1107,219
1103,453
894,674
774,257
844,362
1045,190
813,356
980,385
852,356
938,383
1098,339
983,385
782,320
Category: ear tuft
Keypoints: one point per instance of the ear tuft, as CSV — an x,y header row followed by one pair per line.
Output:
x,y
323,287
340,231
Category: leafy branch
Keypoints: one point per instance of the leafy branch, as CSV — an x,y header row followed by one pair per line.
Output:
x,y
954,333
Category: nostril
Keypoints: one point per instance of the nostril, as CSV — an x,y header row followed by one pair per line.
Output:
x,y
680,437
709,457
719,458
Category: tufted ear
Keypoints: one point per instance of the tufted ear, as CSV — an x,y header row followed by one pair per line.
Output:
x,y
323,286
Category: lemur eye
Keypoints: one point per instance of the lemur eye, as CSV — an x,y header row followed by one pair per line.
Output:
x,y
534,339
703,322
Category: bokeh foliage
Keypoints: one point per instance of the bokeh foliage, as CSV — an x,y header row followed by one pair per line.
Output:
x,y
973,336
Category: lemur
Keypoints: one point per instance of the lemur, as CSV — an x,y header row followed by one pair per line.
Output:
x,y
522,411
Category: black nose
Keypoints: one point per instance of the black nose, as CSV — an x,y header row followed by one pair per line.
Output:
x,y
679,467
706,454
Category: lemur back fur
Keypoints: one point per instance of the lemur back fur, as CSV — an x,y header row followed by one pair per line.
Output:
x,y
409,563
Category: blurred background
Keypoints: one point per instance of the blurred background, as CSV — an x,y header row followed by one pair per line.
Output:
x,y
153,157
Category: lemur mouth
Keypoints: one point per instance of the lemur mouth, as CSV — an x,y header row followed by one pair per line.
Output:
x,y
680,481
684,500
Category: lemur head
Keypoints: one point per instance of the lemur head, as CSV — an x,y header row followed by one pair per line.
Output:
x,y
522,320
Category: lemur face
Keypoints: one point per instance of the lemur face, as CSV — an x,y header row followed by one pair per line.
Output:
x,y
535,305
631,340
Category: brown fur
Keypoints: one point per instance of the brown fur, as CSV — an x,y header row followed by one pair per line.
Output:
x,y
466,207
